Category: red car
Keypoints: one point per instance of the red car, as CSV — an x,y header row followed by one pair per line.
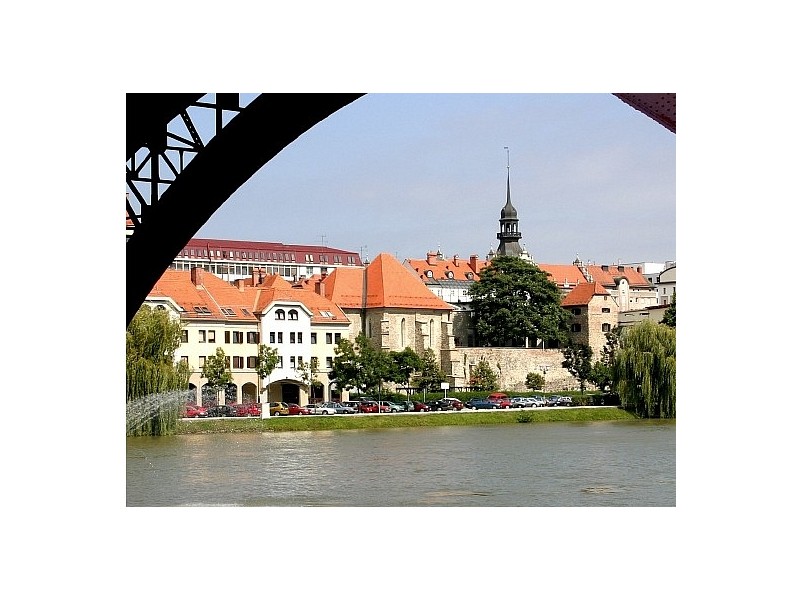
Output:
x,y
296,409
193,411
420,407
253,410
368,407
500,402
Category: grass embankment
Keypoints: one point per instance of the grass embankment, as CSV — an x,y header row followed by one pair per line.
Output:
x,y
438,419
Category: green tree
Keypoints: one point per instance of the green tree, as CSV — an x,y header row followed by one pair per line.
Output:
x,y
578,361
430,373
151,340
602,374
669,314
534,381
514,301
266,362
217,371
404,364
483,377
308,375
360,365
644,370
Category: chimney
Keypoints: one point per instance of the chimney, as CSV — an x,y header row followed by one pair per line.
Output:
x,y
456,260
432,256
197,276
240,284
319,286
473,262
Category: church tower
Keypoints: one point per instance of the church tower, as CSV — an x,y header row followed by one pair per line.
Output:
x,y
509,234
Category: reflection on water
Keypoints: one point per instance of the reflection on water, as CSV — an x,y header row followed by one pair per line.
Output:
x,y
537,464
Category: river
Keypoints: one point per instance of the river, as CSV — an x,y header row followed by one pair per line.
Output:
x,y
604,463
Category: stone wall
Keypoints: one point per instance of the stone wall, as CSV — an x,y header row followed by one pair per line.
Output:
x,y
512,366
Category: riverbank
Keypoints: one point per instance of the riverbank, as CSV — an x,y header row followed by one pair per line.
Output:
x,y
437,419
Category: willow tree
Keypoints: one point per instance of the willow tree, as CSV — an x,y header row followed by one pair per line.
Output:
x,y
151,372
644,370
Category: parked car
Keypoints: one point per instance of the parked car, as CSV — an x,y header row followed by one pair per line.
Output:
x,y
539,401
480,403
296,409
455,403
368,406
354,404
551,401
277,409
438,405
420,407
253,410
501,402
564,401
521,402
342,409
194,411
497,396
391,406
217,410
326,408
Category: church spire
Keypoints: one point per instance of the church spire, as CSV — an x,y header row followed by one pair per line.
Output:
x,y
509,234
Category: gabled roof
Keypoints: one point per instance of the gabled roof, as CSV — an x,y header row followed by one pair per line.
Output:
x,y
583,293
204,301
561,274
441,268
385,283
322,309
608,274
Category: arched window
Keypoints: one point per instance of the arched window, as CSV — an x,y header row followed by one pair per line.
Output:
x,y
430,334
280,315
402,333
293,315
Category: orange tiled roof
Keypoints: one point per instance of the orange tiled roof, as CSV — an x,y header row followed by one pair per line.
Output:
x,y
388,284
322,309
582,294
207,300
460,268
607,275
559,274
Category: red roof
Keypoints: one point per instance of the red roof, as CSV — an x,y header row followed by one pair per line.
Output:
x,y
583,294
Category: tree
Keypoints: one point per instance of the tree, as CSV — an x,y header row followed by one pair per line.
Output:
x,y
514,301
534,381
404,365
360,365
430,373
217,371
578,361
644,370
483,377
669,314
266,361
602,373
151,340
308,375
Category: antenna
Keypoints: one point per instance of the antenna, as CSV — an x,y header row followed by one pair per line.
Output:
x,y
322,240
508,157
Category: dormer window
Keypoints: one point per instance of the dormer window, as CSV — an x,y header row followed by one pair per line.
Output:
x,y
470,276
450,274
293,315
280,314
429,274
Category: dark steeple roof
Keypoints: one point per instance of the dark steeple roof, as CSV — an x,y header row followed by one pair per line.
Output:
x,y
509,234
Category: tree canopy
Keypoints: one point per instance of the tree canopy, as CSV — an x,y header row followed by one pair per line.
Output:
x,y
644,370
514,301
578,361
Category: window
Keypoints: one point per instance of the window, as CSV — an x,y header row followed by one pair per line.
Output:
x,y
252,337
314,363
202,334
238,362
280,362
184,336
280,315
337,337
329,362
292,363
299,337
280,337
606,309
292,337
606,327
293,315
576,327
271,337
228,311
252,362
313,337
238,337
227,337
185,360
328,338
201,360
575,311
212,337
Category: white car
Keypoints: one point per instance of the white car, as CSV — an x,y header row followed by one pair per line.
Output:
x,y
326,408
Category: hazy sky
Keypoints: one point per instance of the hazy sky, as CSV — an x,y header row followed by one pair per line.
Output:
x,y
408,173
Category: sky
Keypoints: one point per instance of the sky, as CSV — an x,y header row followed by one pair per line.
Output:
x,y
411,173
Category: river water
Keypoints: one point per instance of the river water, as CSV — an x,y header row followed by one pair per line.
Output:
x,y
613,463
